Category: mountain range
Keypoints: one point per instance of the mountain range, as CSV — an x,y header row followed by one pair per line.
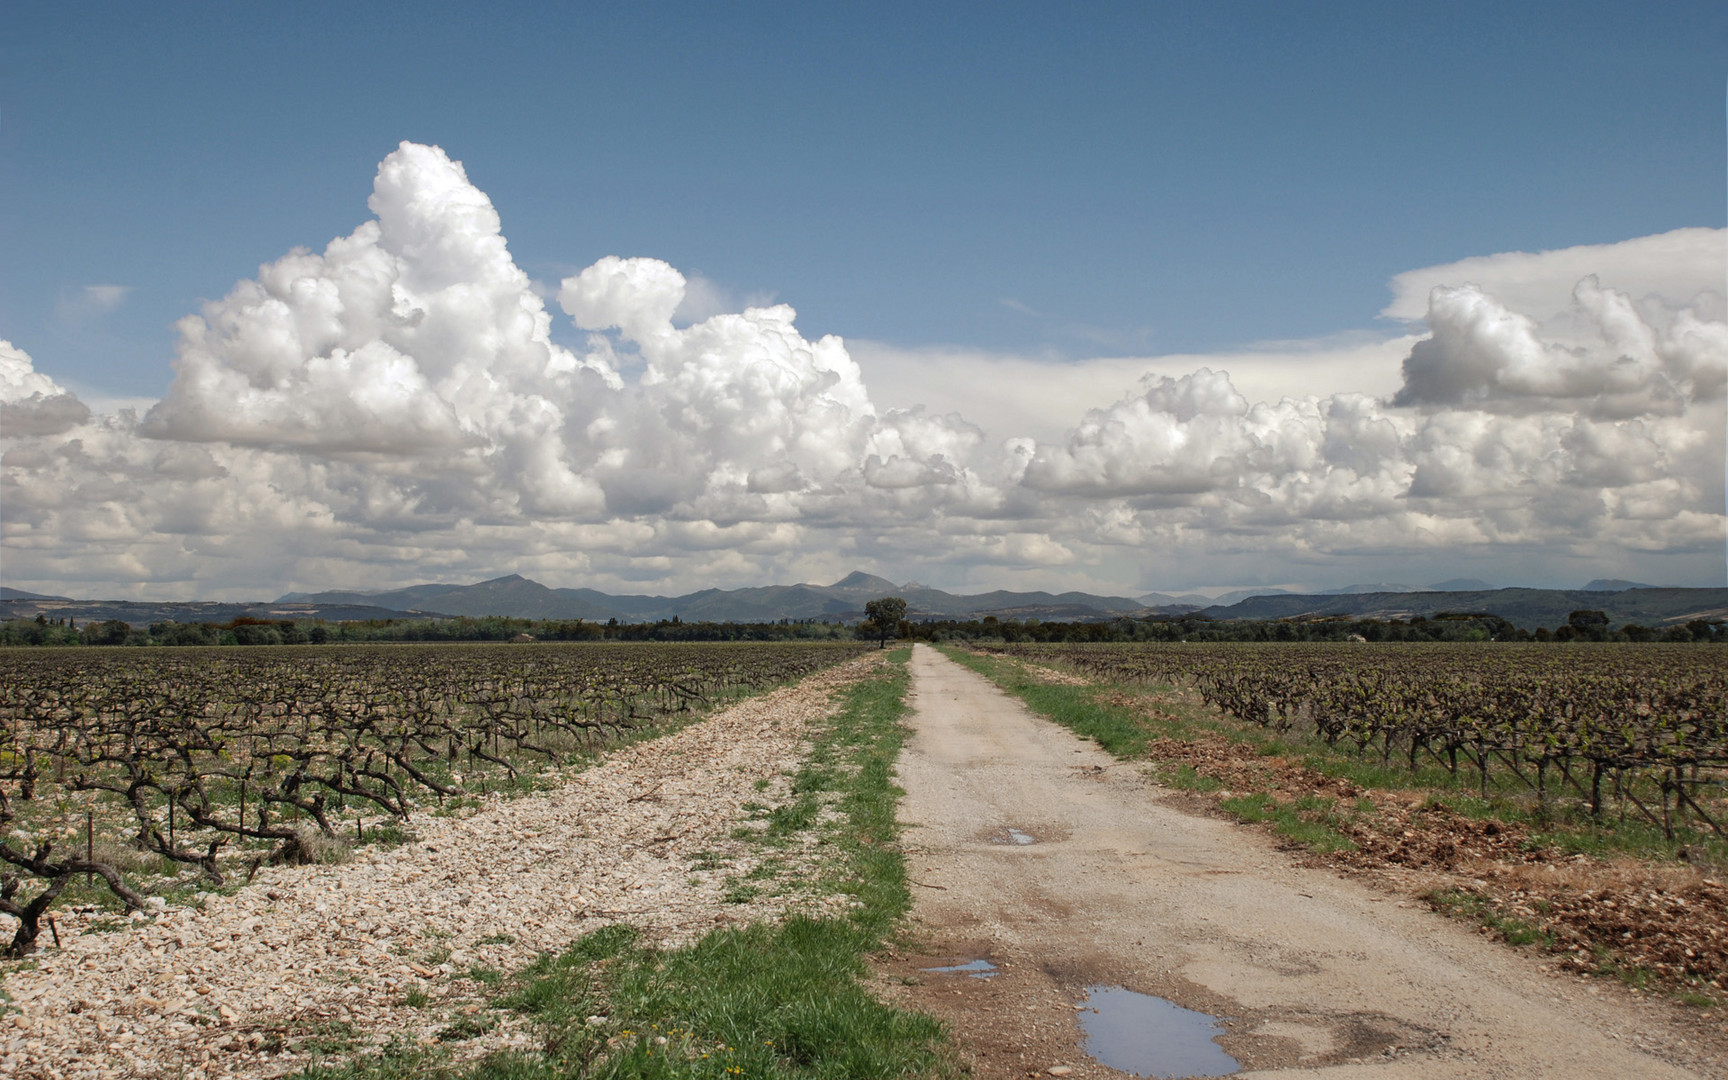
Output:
x,y
1525,608
844,601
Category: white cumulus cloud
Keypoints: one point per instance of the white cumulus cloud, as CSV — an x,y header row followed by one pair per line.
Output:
x,y
395,409
415,342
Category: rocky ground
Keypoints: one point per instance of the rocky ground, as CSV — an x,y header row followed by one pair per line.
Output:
x,y
405,944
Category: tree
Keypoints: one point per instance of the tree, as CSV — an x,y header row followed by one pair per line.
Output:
x,y
1589,625
884,616
112,632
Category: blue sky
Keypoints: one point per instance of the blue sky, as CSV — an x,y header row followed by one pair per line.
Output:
x,y
1011,212
1145,178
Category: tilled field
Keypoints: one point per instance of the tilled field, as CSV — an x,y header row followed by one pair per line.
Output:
x,y
401,945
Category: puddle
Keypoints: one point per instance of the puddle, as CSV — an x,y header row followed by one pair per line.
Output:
x,y
977,969
1147,1036
1012,836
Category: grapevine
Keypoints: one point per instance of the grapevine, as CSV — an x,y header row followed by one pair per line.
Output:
x,y
219,761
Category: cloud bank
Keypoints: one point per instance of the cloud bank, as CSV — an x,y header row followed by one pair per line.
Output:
x,y
396,409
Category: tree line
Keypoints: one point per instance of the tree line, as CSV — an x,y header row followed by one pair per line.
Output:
x,y
892,623
1580,626
498,628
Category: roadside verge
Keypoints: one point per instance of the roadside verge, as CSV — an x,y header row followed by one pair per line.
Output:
x,y
781,999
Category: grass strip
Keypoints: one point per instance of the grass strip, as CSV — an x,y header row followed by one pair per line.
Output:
x,y
1312,831
783,1000
1118,730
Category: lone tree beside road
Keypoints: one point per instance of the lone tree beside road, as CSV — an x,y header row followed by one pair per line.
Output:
x,y
885,615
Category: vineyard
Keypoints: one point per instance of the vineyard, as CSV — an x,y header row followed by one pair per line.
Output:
x,y
1630,729
200,766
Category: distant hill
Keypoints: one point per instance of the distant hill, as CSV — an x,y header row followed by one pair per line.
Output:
x,y
1526,608
1615,585
1378,587
9,593
1166,600
1237,595
1461,584
511,595
145,612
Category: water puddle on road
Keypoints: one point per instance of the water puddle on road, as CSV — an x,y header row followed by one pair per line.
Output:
x,y
1147,1036
1010,835
977,969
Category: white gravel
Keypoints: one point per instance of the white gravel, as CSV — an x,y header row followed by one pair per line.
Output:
x,y
236,986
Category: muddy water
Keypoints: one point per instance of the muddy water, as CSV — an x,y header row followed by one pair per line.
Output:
x,y
977,969
1144,1035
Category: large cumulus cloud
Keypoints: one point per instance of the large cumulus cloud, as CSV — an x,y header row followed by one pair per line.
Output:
x,y
731,417
415,343
397,408
403,393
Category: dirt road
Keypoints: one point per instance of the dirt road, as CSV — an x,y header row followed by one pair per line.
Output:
x,y
1067,869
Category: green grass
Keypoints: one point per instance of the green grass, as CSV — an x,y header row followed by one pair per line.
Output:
x,y
390,835
467,1027
1184,778
784,1001
1462,904
740,893
1306,821
328,1037
1634,976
